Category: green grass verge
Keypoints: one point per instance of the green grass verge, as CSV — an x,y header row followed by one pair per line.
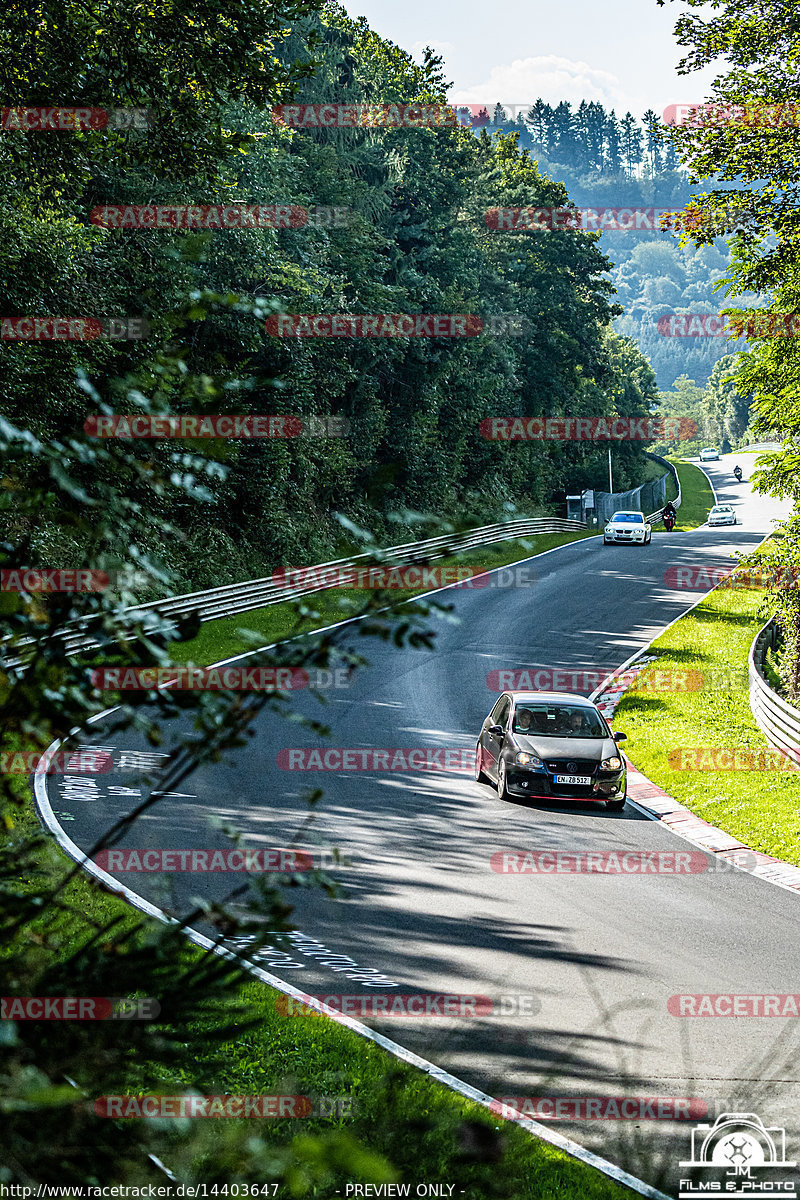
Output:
x,y
760,807
227,636
422,1128
696,496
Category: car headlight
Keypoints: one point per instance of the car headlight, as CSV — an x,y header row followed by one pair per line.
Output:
x,y
611,764
528,760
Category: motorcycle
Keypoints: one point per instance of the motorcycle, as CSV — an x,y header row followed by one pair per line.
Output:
x,y
669,521
738,473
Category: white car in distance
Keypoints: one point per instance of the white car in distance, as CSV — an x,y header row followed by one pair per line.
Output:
x,y
627,526
722,514
709,454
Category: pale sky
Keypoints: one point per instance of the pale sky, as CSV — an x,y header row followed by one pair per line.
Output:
x,y
618,52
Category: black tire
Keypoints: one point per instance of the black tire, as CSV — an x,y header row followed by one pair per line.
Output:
x,y
480,777
502,785
648,539
616,805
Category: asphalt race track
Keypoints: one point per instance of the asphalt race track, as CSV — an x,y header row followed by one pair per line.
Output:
x,y
596,956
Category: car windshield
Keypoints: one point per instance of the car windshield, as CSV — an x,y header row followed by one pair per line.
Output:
x,y
628,518
558,721
722,508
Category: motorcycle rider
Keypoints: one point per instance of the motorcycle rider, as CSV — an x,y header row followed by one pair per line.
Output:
x,y
737,470
668,514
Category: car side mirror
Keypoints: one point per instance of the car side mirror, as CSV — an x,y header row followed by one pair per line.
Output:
x,y
497,730
620,737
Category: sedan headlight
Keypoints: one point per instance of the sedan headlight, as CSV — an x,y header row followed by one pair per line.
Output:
x,y
611,764
528,760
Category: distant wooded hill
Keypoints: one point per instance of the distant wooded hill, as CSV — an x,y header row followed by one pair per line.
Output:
x,y
608,162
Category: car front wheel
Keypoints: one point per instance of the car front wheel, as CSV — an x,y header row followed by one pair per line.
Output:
x,y
616,805
502,786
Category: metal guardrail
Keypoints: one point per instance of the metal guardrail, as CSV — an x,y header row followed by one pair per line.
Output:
x,y
260,593
778,720
655,517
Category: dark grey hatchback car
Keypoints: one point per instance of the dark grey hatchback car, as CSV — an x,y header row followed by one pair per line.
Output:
x,y
551,746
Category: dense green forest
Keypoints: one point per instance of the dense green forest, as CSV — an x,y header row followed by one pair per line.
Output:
x,y
409,237
607,162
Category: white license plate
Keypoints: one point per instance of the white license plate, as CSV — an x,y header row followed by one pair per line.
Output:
x,y
581,780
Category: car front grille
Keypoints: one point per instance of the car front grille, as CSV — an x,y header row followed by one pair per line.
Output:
x,y
571,766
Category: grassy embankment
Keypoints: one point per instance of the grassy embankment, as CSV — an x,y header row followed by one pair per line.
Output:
x,y
759,806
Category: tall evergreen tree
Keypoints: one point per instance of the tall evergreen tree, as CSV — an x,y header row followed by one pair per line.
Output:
x,y
632,140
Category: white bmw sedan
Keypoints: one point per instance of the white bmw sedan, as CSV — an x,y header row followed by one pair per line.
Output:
x,y
627,527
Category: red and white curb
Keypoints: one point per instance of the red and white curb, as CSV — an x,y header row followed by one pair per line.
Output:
x,y
653,802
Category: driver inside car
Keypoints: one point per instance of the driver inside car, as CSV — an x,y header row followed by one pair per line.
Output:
x,y
523,722
573,724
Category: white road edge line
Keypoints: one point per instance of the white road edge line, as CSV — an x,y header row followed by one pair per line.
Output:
x,y
49,820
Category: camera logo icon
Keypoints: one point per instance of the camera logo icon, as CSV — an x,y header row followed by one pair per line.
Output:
x,y
740,1144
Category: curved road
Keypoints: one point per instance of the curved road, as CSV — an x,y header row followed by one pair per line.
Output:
x,y
597,956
